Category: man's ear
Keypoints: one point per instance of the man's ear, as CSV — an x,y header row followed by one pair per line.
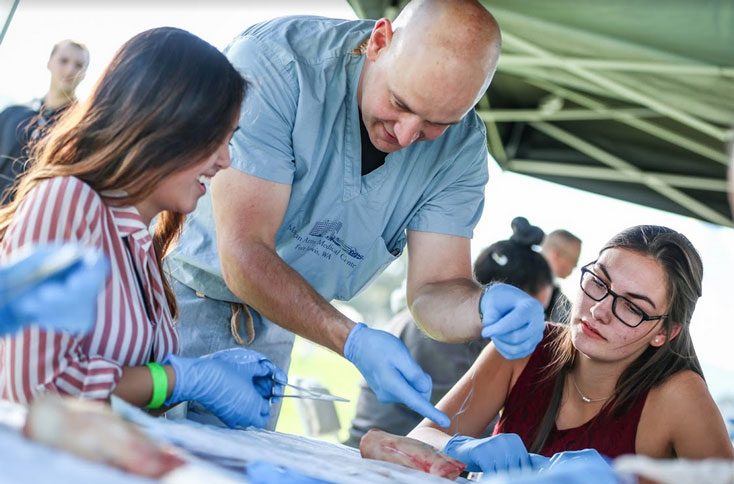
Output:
x,y
380,38
661,337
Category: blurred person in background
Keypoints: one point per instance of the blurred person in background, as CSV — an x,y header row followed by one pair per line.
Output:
x,y
562,249
24,124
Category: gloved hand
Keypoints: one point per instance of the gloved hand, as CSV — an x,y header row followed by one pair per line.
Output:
x,y
390,371
501,452
56,287
235,385
587,457
512,319
570,467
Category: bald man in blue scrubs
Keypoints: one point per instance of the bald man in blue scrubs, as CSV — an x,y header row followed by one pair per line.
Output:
x,y
356,140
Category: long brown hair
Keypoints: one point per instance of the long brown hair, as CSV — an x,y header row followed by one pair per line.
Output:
x,y
165,102
684,271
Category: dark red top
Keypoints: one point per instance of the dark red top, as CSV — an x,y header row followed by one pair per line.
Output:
x,y
529,398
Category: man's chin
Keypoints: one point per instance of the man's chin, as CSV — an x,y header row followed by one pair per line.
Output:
x,y
385,146
388,148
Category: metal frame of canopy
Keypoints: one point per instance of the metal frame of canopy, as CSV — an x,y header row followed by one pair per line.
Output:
x,y
7,17
570,89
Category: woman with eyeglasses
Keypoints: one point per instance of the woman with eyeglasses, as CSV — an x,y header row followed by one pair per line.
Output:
x,y
622,377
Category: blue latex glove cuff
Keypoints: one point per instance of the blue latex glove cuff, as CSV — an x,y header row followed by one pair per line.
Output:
x,y
177,363
349,344
455,448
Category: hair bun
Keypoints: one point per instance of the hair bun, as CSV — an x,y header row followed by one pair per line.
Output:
x,y
525,234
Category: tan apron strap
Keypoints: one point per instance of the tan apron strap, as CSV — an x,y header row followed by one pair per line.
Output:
x,y
234,323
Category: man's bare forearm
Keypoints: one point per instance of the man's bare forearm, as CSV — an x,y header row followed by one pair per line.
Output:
x,y
448,310
267,284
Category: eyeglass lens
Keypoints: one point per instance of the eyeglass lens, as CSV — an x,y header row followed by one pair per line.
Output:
x,y
623,309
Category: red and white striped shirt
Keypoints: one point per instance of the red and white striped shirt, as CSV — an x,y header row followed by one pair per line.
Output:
x,y
35,361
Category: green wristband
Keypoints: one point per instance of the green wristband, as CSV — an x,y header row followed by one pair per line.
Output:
x,y
160,385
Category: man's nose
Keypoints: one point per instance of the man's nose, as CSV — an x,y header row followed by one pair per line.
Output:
x,y
71,70
408,129
223,160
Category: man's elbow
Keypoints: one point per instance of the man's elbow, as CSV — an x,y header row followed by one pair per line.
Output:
x,y
241,261
234,261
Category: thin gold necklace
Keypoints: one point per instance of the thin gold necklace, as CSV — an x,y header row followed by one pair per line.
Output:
x,y
584,397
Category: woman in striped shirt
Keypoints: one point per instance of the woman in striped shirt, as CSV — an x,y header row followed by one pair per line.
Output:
x,y
155,129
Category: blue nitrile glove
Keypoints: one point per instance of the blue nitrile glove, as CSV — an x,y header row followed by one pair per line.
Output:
x,y
512,319
586,456
571,467
390,371
272,387
501,452
539,461
63,299
234,384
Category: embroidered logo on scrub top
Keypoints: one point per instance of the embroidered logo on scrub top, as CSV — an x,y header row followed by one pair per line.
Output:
x,y
323,242
328,230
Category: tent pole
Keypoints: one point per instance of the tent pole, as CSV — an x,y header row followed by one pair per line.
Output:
x,y
507,60
633,173
642,125
508,115
621,90
569,170
493,136
7,20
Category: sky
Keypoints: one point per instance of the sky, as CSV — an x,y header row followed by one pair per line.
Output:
x,y
104,25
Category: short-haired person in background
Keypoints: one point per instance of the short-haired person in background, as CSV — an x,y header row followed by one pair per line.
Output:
x,y
622,377
25,123
562,249
512,261
155,129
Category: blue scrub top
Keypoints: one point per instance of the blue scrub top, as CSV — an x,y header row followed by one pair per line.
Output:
x,y
299,125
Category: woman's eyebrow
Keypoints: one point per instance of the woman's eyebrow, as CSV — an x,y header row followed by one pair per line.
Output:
x,y
629,294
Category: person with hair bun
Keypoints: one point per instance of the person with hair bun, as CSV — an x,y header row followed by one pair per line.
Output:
x,y
621,378
515,262
144,146
512,261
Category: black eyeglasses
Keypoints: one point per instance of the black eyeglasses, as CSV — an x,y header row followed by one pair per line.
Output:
x,y
627,311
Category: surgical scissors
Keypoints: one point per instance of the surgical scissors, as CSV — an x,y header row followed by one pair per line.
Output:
x,y
307,393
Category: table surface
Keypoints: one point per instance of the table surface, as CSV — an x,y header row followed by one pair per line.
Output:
x,y
219,455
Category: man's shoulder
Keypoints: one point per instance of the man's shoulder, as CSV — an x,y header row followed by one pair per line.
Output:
x,y
17,112
311,37
473,123
467,137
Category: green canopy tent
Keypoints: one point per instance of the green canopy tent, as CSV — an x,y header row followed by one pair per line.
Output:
x,y
633,100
